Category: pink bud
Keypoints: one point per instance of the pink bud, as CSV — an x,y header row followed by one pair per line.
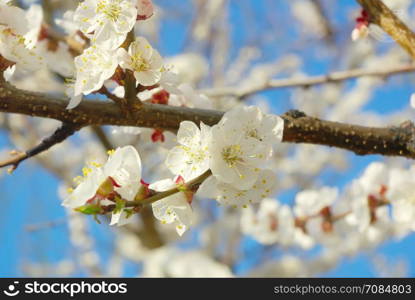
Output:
x,y
179,180
145,9
157,136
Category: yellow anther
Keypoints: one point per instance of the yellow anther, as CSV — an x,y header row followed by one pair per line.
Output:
x,y
86,171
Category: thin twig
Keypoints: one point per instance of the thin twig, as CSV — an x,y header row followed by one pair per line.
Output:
x,y
309,81
62,133
191,185
45,225
327,27
102,137
103,90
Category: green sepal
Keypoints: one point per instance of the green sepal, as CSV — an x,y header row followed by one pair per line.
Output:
x,y
89,209
182,187
119,205
129,212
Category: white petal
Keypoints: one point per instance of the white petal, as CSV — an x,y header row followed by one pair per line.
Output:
x,y
74,102
120,218
162,185
147,78
188,133
208,188
124,166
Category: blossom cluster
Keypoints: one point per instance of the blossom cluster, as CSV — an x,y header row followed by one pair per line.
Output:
x,y
106,25
234,151
18,36
107,187
378,203
227,160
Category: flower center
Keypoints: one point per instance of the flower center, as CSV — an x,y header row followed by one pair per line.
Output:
x,y
138,63
253,133
232,155
111,9
194,155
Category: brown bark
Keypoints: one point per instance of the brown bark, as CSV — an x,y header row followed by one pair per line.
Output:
x,y
299,128
382,16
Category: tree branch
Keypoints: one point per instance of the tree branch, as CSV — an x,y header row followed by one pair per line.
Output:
x,y
102,137
362,140
13,100
299,128
63,132
327,27
382,16
309,81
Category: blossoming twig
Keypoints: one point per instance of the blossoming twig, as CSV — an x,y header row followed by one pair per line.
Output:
x,y
102,137
191,185
325,22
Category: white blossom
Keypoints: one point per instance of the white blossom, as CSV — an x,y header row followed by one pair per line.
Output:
x,y
229,195
187,96
311,202
190,67
106,22
14,18
401,194
124,166
143,60
121,173
191,158
87,187
272,223
68,24
13,48
366,193
241,144
93,67
34,16
15,38
174,209
59,60
170,81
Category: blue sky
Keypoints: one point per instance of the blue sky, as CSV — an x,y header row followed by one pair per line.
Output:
x,y
29,195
